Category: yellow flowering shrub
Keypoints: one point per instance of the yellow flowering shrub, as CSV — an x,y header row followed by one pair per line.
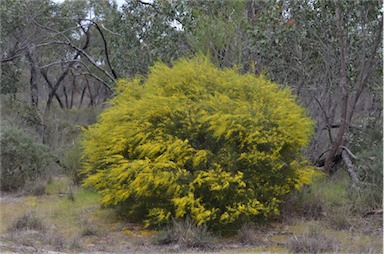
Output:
x,y
192,140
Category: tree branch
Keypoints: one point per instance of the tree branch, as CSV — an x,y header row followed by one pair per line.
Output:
x,y
62,76
82,52
326,120
349,152
350,168
105,48
60,62
97,78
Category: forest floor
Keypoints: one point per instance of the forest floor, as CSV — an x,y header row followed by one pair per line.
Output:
x,y
67,219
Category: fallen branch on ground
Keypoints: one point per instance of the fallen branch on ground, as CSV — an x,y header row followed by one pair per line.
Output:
x,y
346,153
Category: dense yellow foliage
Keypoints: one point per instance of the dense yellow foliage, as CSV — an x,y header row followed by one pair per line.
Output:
x,y
192,140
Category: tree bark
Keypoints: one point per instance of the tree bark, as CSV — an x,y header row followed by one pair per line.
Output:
x,y
343,85
51,94
65,97
82,96
73,91
33,80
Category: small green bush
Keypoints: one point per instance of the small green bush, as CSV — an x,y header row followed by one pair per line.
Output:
x,y
72,162
367,143
194,141
22,159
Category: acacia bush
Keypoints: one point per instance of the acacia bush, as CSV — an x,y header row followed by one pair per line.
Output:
x,y
194,141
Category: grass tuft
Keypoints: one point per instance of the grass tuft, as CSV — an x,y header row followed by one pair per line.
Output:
x,y
247,235
185,233
28,221
313,240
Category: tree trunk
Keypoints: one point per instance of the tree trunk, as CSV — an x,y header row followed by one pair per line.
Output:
x,y
52,93
66,96
33,80
343,85
348,105
82,96
73,91
91,101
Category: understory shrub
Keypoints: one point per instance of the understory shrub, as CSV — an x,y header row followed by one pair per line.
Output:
x,y
369,166
71,160
194,141
22,159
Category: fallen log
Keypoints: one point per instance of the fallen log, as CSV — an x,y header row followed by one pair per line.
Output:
x,y
346,154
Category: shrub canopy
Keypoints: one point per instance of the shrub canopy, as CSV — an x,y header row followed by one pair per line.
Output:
x,y
22,158
194,141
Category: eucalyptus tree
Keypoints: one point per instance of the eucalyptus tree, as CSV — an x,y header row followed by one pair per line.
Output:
x,y
330,53
145,32
19,38
60,42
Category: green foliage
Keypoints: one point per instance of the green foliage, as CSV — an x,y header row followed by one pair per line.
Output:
x,y
147,33
72,162
219,28
10,78
22,158
219,147
366,143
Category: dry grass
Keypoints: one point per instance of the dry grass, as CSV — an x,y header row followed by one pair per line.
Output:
x,y
27,221
187,234
315,239
69,219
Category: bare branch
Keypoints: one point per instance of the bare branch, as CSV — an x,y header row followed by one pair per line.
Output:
x,y
61,33
51,86
82,52
321,155
66,70
97,78
108,30
349,152
350,168
15,53
59,62
326,119
105,48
